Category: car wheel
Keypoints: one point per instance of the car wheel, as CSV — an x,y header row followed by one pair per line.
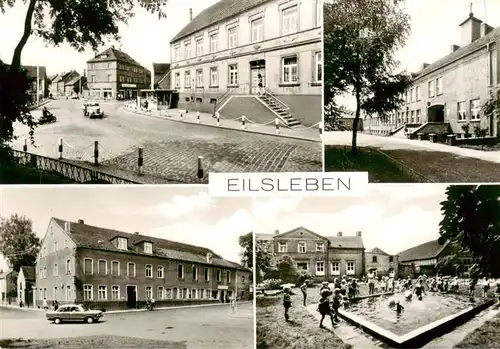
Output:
x,y
57,321
89,320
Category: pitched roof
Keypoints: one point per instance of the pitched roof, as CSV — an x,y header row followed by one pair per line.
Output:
x,y
461,52
264,237
92,237
161,68
112,54
220,11
57,78
29,273
428,250
377,250
74,80
346,241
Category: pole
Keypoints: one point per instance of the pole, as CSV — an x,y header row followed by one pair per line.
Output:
x,y
236,292
198,117
25,145
243,122
96,152
60,148
200,167
277,122
320,126
217,115
140,161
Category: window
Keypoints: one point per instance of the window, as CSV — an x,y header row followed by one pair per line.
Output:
x,y
282,247
109,77
68,292
213,43
149,292
319,13
55,246
219,276
102,267
92,78
88,267
131,269
160,294
177,56
417,93
208,294
318,64
391,259
214,78
413,95
301,247
115,268
257,26
88,293
439,86
461,111
374,259
302,266
180,271
115,293
289,20
54,292
320,268
290,66
122,243
102,293
187,79
68,266
320,247
159,272
177,80
413,116
474,109
228,276
335,268
194,293
233,75
350,268
431,88
148,247
418,116
187,50
207,274
199,78
149,271
56,270
168,293
194,270
232,35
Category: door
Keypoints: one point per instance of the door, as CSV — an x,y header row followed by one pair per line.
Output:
x,y
222,296
131,297
258,75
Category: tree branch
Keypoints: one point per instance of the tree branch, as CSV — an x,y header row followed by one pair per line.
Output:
x,y
16,59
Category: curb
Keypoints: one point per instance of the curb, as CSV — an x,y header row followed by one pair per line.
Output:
x,y
41,104
228,128
168,308
20,308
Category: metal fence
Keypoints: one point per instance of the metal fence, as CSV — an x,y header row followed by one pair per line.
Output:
x,y
67,170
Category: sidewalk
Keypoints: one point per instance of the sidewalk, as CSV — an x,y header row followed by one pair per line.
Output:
x,y
301,132
41,104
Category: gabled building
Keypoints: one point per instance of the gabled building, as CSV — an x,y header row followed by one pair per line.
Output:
x,y
162,76
75,86
106,268
380,262
323,257
8,286
25,284
63,80
231,47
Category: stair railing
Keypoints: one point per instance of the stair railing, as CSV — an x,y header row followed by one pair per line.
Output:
x,y
277,100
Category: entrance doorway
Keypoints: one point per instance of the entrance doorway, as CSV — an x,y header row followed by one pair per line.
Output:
x,y
435,113
257,75
132,296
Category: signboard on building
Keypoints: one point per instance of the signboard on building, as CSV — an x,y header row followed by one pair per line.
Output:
x,y
220,287
129,85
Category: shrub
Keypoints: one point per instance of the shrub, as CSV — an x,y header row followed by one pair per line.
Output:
x,y
272,284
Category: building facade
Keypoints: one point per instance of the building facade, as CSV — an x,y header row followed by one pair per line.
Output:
x,y
113,74
380,262
8,283
233,46
322,257
92,265
25,285
450,92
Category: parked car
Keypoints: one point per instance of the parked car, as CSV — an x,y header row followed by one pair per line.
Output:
x,y
73,313
92,110
75,97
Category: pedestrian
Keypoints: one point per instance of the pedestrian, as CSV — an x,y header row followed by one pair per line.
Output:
x,y
371,282
287,301
153,303
261,85
303,288
45,304
56,305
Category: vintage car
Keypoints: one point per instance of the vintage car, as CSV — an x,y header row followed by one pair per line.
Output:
x,y
73,313
92,110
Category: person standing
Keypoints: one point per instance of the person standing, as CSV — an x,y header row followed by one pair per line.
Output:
x,y
261,85
287,301
303,288
56,305
371,282
45,304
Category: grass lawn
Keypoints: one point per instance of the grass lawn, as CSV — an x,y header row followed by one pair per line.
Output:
x,y
380,169
17,174
486,336
94,342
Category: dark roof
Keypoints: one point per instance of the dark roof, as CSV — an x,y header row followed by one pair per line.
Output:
x,y
92,237
264,237
114,55
346,241
461,52
222,10
426,250
74,80
377,250
161,68
42,71
29,273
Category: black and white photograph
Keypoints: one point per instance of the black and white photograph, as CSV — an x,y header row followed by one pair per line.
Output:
x,y
159,91
411,91
401,266
125,267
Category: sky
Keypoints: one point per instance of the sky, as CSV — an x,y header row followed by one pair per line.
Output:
x,y
390,217
146,38
435,27
185,214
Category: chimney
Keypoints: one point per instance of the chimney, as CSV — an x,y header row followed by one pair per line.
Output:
x,y
454,48
358,234
339,233
209,258
276,232
81,221
190,14
485,29
471,30
67,227
425,65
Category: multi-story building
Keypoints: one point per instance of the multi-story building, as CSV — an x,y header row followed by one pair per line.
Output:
x,y
380,262
450,92
323,257
113,74
234,46
62,80
109,268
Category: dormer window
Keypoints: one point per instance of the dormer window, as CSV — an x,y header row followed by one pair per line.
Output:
x,y
122,243
148,247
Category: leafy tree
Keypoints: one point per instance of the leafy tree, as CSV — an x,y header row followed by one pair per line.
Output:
x,y
18,243
246,243
263,258
360,40
81,23
285,269
471,222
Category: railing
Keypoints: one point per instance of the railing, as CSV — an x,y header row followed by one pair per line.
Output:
x,y
221,100
67,170
277,100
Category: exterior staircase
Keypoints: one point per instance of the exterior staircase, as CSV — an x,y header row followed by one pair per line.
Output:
x,y
280,109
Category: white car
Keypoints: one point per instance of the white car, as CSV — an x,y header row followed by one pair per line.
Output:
x,y
92,110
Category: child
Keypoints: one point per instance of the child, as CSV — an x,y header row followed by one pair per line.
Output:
x,y
408,295
472,287
399,308
324,308
486,288
337,302
303,288
352,289
287,301
419,289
